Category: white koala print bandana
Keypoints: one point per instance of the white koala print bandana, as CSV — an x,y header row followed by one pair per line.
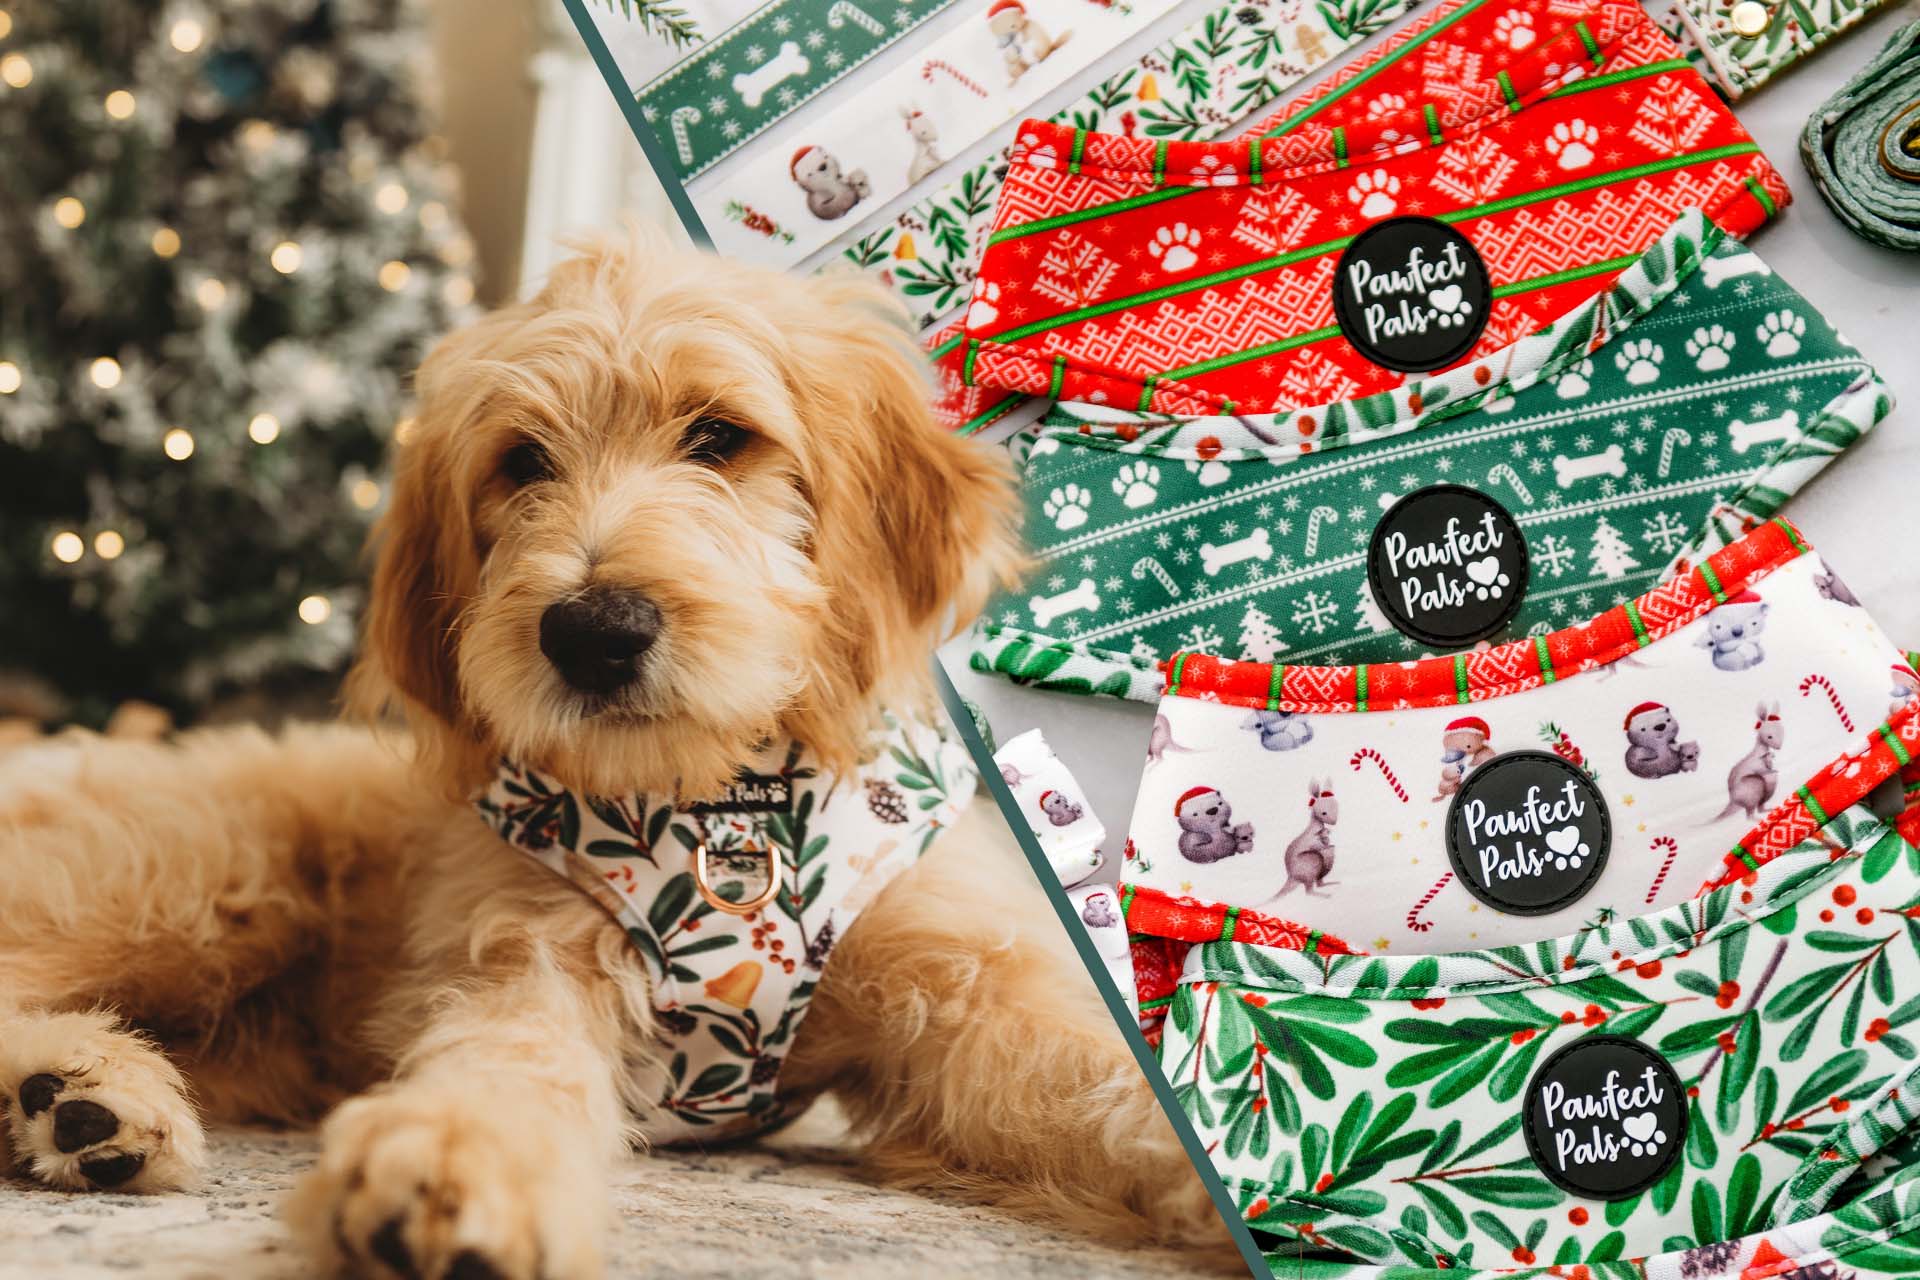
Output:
x,y
730,987
1053,806
1511,794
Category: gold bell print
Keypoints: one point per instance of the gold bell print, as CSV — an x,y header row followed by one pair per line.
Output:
x,y
903,251
737,985
1149,88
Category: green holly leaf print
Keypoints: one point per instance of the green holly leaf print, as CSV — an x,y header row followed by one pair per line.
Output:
x,y
672,902
717,1078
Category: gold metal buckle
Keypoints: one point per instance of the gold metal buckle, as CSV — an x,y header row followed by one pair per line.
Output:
x,y
747,906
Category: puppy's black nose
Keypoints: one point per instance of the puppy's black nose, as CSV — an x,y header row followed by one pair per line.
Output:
x,y
596,641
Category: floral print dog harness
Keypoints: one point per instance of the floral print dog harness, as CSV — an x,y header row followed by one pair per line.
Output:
x,y
1637,433
734,955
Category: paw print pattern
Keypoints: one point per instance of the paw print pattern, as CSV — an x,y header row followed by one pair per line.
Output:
x,y
1575,382
1709,346
1384,105
985,309
1514,29
1067,506
1640,360
1175,246
1572,142
1450,305
1137,485
1375,192
1212,171
1781,331
1566,849
1038,156
1644,1134
1209,473
1486,580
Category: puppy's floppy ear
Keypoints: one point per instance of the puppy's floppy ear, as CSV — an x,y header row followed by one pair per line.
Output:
x,y
425,565
922,523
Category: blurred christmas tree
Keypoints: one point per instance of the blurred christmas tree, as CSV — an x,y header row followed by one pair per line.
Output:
x,y
225,243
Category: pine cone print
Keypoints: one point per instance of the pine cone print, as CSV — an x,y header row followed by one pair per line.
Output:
x,y
1709,1259
765,1068
886,801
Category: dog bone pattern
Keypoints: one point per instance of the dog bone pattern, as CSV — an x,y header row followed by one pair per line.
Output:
x,y
1682,373
1054,807
964,82
1373,1106
1690,741
729,990
1556,163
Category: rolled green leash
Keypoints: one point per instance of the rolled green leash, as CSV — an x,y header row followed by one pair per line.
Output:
x,y
1863,146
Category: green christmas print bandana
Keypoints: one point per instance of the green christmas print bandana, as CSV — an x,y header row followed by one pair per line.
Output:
x,y
1641,431
1405,1109
730,990
1873,1236
1741,44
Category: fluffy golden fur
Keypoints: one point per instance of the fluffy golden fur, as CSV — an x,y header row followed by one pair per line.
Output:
x,y
247,927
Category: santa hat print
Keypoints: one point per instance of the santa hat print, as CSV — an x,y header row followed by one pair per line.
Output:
x,y
1189,794
1641,710
1474,724
793,165
1043,798
1749,596
999,7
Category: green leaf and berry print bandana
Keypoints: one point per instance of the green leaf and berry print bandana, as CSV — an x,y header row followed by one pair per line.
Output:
x,y
1645,428
1719,1068
731,985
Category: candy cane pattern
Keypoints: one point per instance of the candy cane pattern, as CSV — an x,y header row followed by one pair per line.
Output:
x,y
1317,517
1675,437
1413,922
682,119
960,78
1672,847
1505,471
1148,565
845,11
1806,691
1368,753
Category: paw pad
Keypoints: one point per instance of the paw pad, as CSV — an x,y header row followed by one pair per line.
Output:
x,y
1572,142
1067,506
1640,360
1514,29
1709,346
986,305
1781,331
1137,484
1376,193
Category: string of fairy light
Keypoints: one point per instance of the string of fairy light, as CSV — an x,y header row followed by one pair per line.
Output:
x,y
187,36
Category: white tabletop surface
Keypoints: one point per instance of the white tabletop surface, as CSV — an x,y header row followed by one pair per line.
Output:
x,y
1871,293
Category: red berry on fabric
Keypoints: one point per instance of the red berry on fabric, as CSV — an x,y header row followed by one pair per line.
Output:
x,y
1651,969
1726,1041
1523,1256
1523,1035
1838,1104
1325,1181
1257,1208
1844,894
1864,915
1578,1217
1826,915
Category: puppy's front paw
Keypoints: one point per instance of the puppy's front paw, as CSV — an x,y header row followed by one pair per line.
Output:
x,y
86,1105
435,1184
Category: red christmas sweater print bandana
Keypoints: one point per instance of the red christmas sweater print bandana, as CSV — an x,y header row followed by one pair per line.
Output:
x,y
1198,277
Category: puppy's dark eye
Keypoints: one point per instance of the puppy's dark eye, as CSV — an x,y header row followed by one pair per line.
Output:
x,y
526,464
712,441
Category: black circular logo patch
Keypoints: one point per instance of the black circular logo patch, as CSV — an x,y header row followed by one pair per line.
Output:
x,y
1527,832
1411,294
1447,565
1606,1117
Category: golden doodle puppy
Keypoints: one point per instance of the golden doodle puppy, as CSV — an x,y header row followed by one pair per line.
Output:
x,y
669,510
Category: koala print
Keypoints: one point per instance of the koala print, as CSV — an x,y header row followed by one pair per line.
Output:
x,y
1733,633
1309,858
1280,730
1653,749
1463,748
1906,687
1208,832
830,193
1060,809
1099,912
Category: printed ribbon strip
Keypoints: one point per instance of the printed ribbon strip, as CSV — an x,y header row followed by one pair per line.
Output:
x,y
1232,62
1196,277
1863,146
764,68
826,172
1742,44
